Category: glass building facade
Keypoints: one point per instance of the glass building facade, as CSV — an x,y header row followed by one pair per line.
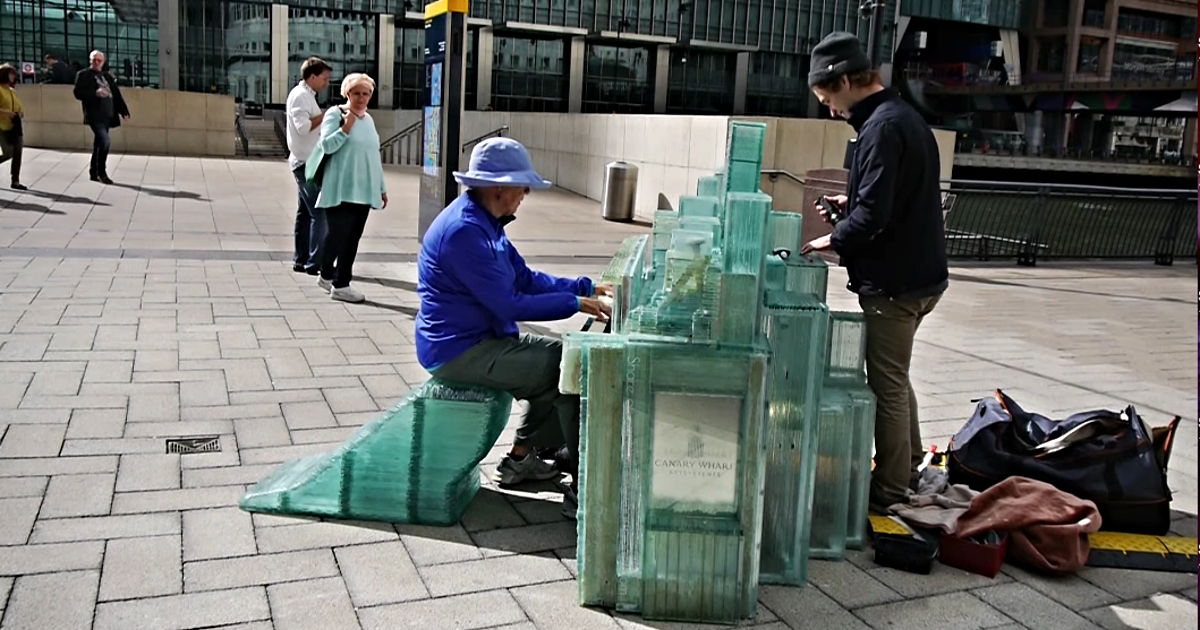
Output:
x,y
71,29
226,46
618,80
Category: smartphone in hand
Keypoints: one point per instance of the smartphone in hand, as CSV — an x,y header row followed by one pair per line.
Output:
x,y
831,210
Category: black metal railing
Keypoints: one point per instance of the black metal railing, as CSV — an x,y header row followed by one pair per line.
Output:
x,y
498,131
278,118
1030,221
403,147
243,141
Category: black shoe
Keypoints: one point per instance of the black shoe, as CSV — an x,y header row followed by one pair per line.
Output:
x,y
105,180
298,268
570,502
19,186
94,178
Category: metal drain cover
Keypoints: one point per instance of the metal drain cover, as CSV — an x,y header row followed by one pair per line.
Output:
x,y
188,445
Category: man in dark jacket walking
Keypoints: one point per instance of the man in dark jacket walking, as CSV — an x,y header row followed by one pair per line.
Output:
x,y
103,109
891,241
58,71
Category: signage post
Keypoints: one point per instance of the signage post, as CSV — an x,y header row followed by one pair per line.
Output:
x,y
445,61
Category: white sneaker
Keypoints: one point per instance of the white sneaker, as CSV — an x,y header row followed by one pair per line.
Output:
x,y
346,294
326,285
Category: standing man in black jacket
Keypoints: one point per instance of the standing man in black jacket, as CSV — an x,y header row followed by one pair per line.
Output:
x,y
58,71
103,109
890,238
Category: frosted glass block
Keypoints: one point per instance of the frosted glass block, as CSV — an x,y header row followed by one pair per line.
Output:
x,y
700,577
743,177
710,225
807,274
691,243
863,415
774,274
626,273
746,140
599,517
848,346
831,489
745,243
797,329
711,186
784,230
737,315
393,469
691,463
665,222
698,206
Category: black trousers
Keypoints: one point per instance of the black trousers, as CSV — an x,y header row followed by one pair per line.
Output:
x,y
346,223
12,148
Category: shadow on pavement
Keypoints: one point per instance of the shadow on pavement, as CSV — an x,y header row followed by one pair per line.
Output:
x,y
159,192
30,207
61,198
1025,285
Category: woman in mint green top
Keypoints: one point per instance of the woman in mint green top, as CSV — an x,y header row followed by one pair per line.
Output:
x,y
351,185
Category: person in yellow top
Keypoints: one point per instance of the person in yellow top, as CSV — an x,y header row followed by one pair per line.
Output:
x,y
11,136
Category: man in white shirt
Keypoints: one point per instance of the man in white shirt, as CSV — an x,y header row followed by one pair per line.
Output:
x,y
303,132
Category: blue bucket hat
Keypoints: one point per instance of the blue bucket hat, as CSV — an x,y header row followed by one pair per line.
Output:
x,y
500,162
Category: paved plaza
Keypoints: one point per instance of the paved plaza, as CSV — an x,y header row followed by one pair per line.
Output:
x,y
165,306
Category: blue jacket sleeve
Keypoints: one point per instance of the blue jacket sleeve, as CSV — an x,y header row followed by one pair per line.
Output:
x,y
477,266
536,282
878,160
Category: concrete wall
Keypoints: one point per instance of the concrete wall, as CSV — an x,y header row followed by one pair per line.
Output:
x,y
162,121
671,152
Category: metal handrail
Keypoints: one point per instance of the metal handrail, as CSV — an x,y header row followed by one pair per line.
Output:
x,y
776,173
399,135
280,132
1071,188
403,147
241,134
498,131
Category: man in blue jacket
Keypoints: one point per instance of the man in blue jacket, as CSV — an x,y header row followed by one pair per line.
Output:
x,y
891,242
475,287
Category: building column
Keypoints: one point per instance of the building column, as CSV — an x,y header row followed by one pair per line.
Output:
x,y
279,53
577,49
1036,133
1189,139
168,44
385,29
484,51
741,75
662,67
1074,19
1010,40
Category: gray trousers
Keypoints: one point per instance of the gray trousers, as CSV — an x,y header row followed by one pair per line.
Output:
x,y
891,326
527,368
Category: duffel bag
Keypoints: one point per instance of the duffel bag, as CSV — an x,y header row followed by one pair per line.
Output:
x,y
1107,457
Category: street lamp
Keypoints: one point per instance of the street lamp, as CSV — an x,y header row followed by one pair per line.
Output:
x,y
872,9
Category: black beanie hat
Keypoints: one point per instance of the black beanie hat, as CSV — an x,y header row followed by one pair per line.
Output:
x,y
838,54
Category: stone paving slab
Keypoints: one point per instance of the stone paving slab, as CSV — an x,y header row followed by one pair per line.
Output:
x,y
166,307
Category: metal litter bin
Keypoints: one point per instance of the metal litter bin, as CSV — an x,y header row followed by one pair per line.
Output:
x,y
620,191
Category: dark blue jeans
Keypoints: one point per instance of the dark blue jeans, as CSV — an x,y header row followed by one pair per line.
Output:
x,y
100,146
311,226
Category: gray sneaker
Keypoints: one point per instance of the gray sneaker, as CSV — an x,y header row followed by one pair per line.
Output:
x,y
511,471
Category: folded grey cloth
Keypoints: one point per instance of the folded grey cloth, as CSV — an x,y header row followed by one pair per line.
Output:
x,y
935,505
